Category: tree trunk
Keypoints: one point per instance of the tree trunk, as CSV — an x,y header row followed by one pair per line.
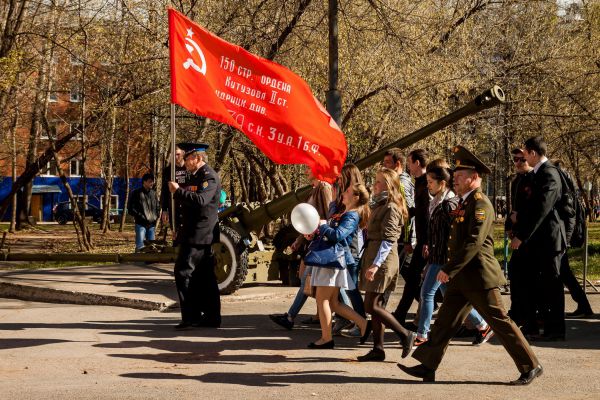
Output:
x,y
84,236
13,159
124,213
109,172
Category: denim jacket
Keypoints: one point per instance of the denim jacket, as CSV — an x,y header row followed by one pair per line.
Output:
x,y
342,228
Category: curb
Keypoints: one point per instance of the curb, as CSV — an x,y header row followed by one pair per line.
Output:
x,y
47,295
33,293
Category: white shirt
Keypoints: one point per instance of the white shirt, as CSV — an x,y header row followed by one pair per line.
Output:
x,y
464,196
543,159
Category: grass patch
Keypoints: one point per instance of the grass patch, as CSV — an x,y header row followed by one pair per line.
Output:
x,y
45,265
575,255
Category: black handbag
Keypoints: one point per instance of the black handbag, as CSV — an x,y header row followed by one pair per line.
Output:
x,y
324,253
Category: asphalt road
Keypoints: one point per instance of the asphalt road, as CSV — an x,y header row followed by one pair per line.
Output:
x,y
55,351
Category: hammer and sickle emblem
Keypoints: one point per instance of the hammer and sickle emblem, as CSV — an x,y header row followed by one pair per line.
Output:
x,y
191,45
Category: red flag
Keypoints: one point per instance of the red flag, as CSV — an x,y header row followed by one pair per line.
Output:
x,y
273,106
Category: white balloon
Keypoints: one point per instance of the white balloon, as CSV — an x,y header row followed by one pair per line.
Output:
x,y
305,218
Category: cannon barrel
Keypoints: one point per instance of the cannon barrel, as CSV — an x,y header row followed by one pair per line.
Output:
x,y
254,220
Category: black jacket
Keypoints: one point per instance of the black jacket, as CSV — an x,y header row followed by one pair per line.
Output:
x,y
421,209
439,230
198,204
539,223
144,207
180,178
521,190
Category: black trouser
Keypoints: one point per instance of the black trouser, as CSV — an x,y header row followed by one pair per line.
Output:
x,y
523,300
550,292
412,284
197,286
571,283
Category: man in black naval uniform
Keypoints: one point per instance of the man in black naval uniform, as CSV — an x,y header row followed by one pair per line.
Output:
x,y
473,277
195,266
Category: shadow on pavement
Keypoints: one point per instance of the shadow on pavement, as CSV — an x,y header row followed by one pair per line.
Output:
x,y
282,379
6,344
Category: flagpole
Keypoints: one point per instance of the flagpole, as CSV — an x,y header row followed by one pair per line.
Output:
x,y
173,150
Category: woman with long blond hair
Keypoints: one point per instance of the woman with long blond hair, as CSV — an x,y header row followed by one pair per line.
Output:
x,y
380,262
328,281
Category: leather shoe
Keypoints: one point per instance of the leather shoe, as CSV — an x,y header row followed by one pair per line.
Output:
x,y
419,371
527,377
579,313
367,333
408,343
282,320
373,355
326,345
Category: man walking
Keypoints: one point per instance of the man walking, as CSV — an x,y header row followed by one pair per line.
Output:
x,y
144,208
542,229
473,278
195,266
522,275
417,165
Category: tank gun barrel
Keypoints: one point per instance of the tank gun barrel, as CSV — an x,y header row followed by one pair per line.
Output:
x,y
254,220
488,99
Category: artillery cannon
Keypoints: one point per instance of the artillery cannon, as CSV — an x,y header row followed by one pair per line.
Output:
x,y
242,258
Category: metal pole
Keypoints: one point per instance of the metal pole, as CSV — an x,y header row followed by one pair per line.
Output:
x,y
334,98
585,258
173,163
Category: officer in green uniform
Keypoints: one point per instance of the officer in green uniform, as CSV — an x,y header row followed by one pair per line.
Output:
x,y
197,203
473,278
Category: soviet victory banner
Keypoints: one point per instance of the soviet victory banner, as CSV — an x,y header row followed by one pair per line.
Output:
x,y
273,106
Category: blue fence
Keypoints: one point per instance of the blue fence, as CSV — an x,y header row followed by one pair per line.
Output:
x,y
52,192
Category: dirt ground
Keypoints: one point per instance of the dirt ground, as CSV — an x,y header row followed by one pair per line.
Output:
x,y
52,237
53,351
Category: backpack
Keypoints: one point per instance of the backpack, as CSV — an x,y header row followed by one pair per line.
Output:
x,y
571,211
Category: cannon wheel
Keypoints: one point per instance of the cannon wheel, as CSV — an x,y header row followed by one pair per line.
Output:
x,y
232,261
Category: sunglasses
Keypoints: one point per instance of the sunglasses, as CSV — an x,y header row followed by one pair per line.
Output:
x,y
518,159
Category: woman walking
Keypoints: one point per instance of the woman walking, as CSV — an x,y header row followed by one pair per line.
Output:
x,y
380,262
328,280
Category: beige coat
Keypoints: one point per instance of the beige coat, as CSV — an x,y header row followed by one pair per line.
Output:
x,y
385,223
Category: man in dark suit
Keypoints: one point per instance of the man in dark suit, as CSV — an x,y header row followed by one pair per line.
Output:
x,y
195,277
542,229
523,304
473,278
417,164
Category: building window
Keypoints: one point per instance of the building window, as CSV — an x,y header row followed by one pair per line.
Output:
x,y
52,130
50,169
114,202
76,127
75,96
75,167
52,97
